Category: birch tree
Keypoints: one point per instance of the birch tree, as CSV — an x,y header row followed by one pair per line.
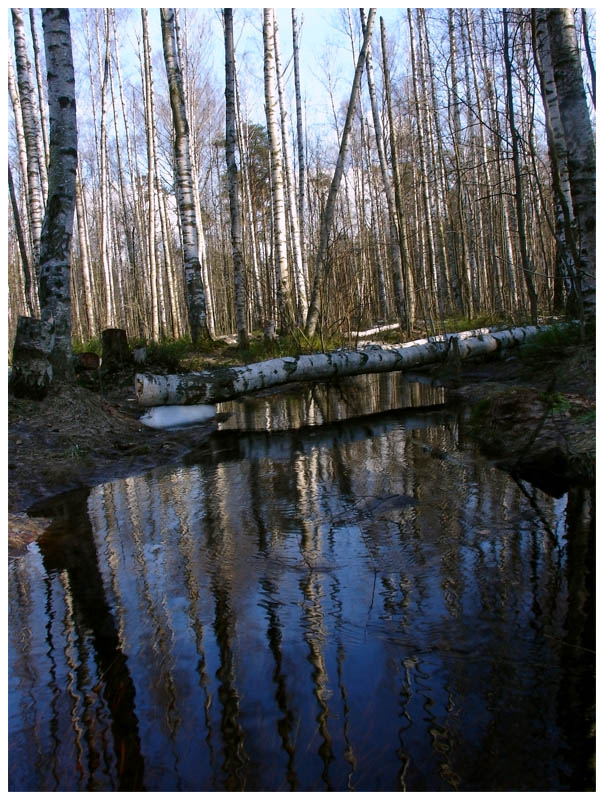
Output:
x,y
284,297
31,132
327,216
32,375
55,300
300,144
296,242
580,144
194,290
234,198
395,252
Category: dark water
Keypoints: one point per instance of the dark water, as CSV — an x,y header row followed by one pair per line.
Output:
x,y
362,605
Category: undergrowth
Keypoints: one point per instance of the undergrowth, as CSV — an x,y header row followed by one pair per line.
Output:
x,y
553,341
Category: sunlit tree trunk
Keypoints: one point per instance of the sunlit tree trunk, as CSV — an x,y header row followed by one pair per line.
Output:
x,y
194,291
284,297
182,50
213,386
42,104
13,92
87,275
300,144
55,243
151,172
52,334
296,242
31,132
234,199
257,310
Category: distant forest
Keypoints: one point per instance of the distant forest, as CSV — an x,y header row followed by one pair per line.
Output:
x,y
458,182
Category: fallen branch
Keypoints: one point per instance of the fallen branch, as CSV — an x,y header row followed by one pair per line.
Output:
x,y
227,383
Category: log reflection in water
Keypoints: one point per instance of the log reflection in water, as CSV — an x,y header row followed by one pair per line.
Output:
x,y
323,403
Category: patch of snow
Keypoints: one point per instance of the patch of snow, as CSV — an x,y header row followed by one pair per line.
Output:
x,y
177,416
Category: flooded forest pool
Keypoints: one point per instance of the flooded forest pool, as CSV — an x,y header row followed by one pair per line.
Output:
x,y
315,600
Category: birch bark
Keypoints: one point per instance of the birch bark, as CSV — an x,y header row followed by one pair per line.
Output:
x,y
580,143
31,134
194,291
212,386
42,350
284,298
234,198
296,241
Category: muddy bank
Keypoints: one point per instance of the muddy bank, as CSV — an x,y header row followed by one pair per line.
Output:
x,y
535,417
77,437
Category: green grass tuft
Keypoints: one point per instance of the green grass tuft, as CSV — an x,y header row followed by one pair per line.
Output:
x,y
87,346
552,342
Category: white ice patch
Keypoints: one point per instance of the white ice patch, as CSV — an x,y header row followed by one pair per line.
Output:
x,y
177,416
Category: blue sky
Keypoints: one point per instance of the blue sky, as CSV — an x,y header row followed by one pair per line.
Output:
x,y
324,47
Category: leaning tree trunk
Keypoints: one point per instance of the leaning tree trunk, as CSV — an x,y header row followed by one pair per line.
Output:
x,y
226,383
194,291
234,198
329,210
395,251
52,335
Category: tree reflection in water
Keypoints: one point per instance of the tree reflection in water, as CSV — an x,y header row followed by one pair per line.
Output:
x,y
363,606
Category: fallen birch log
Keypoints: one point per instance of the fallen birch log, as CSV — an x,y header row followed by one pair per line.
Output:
x,y
227,383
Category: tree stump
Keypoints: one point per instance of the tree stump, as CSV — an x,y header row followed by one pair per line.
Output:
x,y
270,334
116,353
32,374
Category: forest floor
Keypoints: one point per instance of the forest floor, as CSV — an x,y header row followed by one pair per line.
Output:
x,y
535,411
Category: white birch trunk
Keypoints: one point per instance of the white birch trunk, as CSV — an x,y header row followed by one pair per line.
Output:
x,y
42,105
55,243
300,145
230,382
31,134
290,187
194,291
82,228
284,298
234,198
13,92
258,311
149,132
